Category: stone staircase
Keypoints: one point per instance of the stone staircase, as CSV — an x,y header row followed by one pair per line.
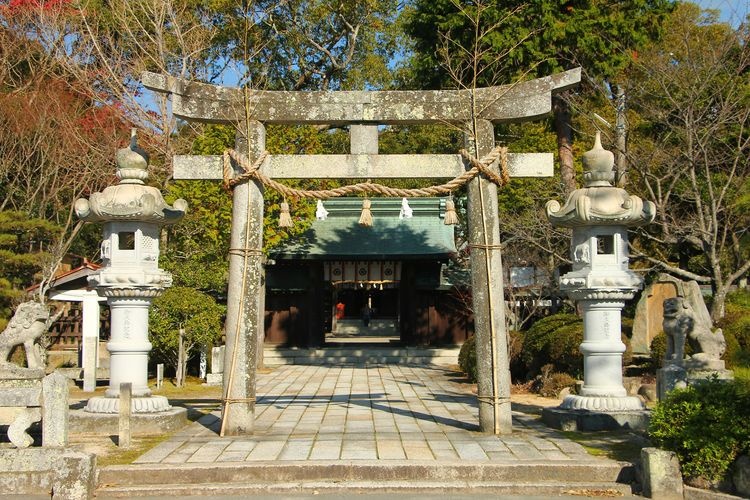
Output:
x,y
541,479
355,328
360,355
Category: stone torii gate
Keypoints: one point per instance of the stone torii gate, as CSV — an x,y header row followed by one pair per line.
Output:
x,y
474,110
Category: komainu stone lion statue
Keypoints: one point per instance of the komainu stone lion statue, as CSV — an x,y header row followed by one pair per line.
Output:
x,y
681,325
28,324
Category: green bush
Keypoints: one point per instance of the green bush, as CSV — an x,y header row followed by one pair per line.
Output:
x,y
736,327
706,425
658,349
542,334
467,356
549,385
555,340
467,359
515,348
563,349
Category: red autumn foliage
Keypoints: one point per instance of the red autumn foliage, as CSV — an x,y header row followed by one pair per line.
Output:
x,y
19,6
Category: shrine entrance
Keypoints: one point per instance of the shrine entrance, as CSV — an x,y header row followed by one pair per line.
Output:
x,y
392,272
370,315
249,169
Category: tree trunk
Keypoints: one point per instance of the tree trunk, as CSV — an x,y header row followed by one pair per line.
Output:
x,y
564,131
621,137
719,300
181,361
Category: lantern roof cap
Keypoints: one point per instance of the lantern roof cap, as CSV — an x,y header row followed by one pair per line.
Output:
x,y
130,199
599,203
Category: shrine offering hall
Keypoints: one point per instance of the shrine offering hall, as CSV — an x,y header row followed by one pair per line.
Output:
x,y
344,283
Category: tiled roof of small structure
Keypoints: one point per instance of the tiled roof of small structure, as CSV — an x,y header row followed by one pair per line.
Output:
x,y
340,236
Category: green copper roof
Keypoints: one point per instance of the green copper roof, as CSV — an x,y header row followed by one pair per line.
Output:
x,y
341,237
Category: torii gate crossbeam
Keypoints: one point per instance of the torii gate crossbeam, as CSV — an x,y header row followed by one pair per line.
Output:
x,y
363,111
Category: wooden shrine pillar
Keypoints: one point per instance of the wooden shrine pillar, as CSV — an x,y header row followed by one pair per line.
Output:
x,y
246,293
493,372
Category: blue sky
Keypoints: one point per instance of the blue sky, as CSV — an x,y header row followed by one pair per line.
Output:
x,y
733,11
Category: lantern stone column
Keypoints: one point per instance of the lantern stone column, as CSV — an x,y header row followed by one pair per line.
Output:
x,y
601,283
133,215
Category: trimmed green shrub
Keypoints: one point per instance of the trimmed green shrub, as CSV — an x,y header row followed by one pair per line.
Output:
x,y
467,359
706,425
563,349
555,341
736,328
658,349
467,356
549,384
515,348
538,338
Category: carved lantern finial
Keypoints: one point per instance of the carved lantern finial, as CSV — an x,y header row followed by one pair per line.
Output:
x,y
132,162
598,165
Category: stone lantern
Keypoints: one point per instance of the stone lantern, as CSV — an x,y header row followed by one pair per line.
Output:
x,y
133,215
600,281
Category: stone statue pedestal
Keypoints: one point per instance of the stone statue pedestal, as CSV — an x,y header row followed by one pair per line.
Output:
x,y
678,374
672,376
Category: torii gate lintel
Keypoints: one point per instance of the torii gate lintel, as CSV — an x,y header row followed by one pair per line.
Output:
x,y
208,103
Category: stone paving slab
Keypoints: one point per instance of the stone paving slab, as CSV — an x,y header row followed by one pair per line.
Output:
x,y
372,413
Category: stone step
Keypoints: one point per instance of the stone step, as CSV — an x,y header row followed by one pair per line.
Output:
x,y
540,489
358,355
538,478
376,327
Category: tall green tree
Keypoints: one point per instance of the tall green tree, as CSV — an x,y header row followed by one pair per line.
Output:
x,y
24,253
182,321
311,44
691,149
197,248
530,39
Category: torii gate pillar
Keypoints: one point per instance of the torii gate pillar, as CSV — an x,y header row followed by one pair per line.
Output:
x,y
245,295
493,372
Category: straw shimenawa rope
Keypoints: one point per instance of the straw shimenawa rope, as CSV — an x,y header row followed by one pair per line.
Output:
x,y
478,166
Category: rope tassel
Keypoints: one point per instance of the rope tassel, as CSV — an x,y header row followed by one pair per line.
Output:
x,y
285,219
451,217
365,220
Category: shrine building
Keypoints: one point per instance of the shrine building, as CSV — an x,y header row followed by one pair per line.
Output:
x,y
397,269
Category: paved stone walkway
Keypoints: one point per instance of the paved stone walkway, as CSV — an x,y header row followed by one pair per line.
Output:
x,y
311,413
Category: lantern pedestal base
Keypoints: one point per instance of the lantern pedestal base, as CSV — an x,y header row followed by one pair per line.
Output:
x,y
149,404
142,424
591,421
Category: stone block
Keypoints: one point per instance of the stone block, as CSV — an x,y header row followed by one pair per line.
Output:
x,y
215,379
64,473
217,360
631,384
741,476
590,421
648,392
55,410
660,474
142,424
669,378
